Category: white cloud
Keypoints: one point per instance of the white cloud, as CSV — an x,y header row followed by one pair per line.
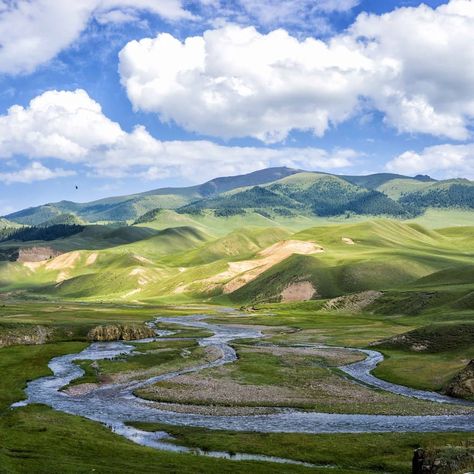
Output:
x,y
34,172
33,32
425,77
236,82
69,126
62,124
336,5
441,161
412,64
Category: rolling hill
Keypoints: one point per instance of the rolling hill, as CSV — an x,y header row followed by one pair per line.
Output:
x,y
246,265
271,192
123,208
277,234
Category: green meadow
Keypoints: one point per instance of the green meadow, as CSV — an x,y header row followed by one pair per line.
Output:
x,y
404,288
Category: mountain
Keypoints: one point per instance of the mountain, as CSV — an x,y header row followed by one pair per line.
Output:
x,y
302,193
272,192
6,224
375,181
270,235
450,193
130,207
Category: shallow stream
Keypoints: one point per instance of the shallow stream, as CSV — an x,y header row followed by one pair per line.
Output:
x,y
115,404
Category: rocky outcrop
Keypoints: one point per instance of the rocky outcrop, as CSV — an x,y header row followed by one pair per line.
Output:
x,y
120,332
352,303
36,254
299,291
25,335
446,460
462,385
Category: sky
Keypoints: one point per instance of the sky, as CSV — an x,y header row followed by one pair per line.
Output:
x,y
122,96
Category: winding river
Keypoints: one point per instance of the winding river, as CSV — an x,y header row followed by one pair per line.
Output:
x,y
115,404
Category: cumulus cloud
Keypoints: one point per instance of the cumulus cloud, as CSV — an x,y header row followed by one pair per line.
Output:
x,y
70,126
425,79
235,81
34,172
33,32
412,64
441,161
61,124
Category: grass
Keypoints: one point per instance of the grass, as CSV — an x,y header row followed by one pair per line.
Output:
x,y
38,439
18,364
181,262
387,452
145,363
266,377
426,371
435,338
450,351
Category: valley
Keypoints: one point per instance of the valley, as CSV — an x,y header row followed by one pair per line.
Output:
x,y
247,323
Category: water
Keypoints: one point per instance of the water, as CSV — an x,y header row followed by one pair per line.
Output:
x,y
115,405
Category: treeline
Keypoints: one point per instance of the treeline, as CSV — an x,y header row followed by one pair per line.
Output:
x,y
148,216
371,202
232,204
327,197
52,232
457,195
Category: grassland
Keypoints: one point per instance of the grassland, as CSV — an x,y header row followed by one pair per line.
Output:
x,y
367,453
38,439
150,359
286,377
421,323
29,436
190,263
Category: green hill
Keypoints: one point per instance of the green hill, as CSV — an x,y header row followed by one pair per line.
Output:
x,y
246,264
273,193
276,234
302,193
123,208
396,188
458,193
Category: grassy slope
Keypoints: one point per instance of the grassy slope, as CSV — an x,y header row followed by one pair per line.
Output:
x,y
388,452
386,254
396,188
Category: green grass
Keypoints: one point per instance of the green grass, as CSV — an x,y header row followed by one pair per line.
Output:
x,y
40,440
287,380
395,188
18,364
182,263
386,452
422,371
37,439
437,338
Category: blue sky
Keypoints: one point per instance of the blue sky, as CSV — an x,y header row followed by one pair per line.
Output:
x,y
119,96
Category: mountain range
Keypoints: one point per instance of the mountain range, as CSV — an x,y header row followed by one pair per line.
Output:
x,y
271,192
